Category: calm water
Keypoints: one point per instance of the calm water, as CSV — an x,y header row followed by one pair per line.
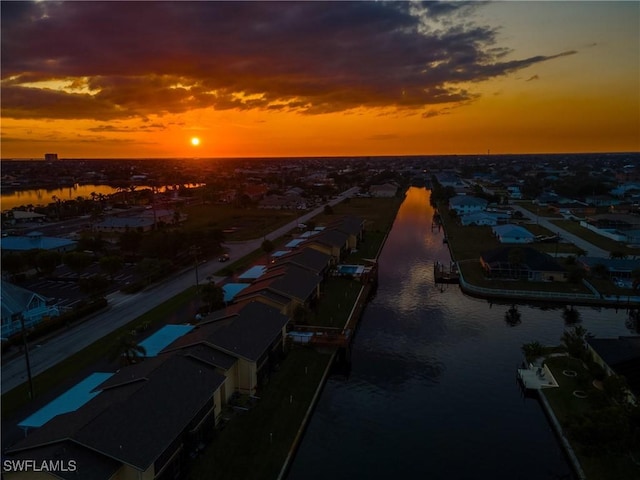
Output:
x,y
432,390
42,196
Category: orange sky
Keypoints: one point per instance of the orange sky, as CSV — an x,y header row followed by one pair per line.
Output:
x,y
315,79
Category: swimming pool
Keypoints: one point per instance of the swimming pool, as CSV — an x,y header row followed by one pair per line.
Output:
x,y
350,269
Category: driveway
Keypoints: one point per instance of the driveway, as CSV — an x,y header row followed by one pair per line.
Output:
x,y
592,250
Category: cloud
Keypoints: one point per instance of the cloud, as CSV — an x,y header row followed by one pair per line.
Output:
x,y
135,59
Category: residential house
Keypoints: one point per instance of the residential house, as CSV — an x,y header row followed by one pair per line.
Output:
x,y
479,218
331,242
524,263
244,341
21,304
352,226
284,287
510,233
463,204
310,259
144,422
123,224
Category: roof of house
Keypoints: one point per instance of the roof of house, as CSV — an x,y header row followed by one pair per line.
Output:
x,y
332,238
30,242
460,200
15,299
512,231
532,258
119,423
348,224
247,333
308,258
288,280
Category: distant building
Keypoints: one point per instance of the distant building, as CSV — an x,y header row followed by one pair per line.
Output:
x,y
465,204
524,263
510,233
36,241
50,157
384,190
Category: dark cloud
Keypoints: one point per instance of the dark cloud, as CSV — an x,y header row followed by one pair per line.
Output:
x,y
143,58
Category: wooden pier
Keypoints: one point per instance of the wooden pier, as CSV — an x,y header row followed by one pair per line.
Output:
x,y
442,274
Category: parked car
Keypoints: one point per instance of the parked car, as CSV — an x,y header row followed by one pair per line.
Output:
x,y
224,257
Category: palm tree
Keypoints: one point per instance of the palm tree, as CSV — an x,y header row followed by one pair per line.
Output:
x,y
128,349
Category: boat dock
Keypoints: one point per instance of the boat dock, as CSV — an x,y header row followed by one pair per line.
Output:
x,y
442,274
536,377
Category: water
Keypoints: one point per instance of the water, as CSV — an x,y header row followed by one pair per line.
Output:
x,y
432,391
44,196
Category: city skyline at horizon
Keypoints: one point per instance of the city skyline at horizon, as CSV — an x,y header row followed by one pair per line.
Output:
x,y
319,79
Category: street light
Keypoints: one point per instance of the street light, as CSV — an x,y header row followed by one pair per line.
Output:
x,y
20,316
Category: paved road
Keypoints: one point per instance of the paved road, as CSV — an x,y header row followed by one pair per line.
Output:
x,y
592,250
124,308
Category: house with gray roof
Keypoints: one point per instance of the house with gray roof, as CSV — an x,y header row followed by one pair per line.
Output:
x,y
310,259
524,263
250,336
142,424
353,226
467,204
284,286
331,242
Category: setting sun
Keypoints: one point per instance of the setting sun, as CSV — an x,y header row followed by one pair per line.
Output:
x,y
195,141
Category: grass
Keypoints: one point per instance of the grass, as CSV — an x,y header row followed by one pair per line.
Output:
x,y
607,466
595,239
255,444
538,210
99,350
379,213
247,223
338,297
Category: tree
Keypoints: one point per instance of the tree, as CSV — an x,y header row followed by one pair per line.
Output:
x,y
328,210
571,316
13,263
600,270
573,340
267,246
77,261
213,295
130,241
46,261
93,285
532,351
111,264
128,350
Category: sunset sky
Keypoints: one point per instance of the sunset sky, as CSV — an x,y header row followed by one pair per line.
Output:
x,y
118,79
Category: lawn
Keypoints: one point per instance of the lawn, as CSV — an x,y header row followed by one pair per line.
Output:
x,y
338,298
563,402
379,213
255,444
595,239
238,223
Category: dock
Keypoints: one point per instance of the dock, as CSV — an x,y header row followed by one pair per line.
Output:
x,y
536,377
442,274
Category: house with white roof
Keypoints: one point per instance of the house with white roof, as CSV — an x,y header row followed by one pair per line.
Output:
x,y
510,233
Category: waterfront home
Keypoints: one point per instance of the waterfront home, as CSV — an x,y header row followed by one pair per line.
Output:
x,y
479,218
285,287
244,342
466,204
143,422
310,259
331,242
619,269
352,226
510,233
21,304
522,263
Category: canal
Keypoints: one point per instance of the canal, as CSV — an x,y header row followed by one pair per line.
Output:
x,y
432,389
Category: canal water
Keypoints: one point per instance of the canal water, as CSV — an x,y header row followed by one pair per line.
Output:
x,y
432,389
